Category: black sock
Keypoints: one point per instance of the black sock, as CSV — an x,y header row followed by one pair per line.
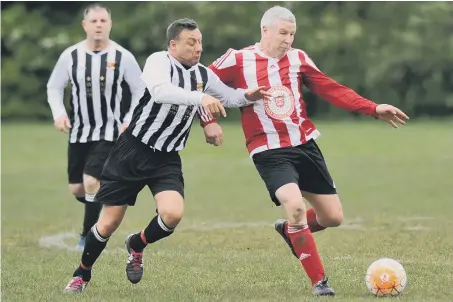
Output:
x,y
94,246
84,273
155,231
81,199
92,211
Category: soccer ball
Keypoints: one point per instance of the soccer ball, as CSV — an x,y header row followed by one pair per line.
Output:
x,y
386,278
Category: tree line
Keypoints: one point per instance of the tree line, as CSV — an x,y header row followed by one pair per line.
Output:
x,y
390,52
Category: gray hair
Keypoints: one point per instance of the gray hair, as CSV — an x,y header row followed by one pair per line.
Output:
x,y
95,6
277,13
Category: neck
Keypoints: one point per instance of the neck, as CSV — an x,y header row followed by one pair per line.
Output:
x,y
97,45
264,47
184,64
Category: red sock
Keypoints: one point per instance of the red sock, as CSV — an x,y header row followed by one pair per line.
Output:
x,y
313,222
305,248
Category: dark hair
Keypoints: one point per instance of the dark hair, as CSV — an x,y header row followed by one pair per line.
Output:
x,y
174,29
95,6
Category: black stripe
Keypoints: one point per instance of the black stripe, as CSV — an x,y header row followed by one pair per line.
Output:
x,y
104,105
89,94
185,119
171,114
171,68
178,129
76,83
144,100
204,76
185,134
169,119
116,75
155,108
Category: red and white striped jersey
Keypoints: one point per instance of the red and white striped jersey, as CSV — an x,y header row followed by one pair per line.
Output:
x,y
281,121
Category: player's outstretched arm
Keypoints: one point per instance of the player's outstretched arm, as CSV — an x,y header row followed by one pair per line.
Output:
x,y
344,97
230,97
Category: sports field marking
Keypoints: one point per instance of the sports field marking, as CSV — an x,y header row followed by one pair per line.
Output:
x,y
415,218
60,240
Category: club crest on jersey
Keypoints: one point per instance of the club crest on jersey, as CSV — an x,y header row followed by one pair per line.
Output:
x,y
200,86
111,64
281,105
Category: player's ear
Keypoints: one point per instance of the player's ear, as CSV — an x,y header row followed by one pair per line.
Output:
x,y
172,44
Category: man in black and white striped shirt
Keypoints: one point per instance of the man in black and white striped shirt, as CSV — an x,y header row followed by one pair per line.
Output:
x,y
177,88
97,68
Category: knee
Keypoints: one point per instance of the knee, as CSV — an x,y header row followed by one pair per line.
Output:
x,y
77,190
108,225
290,197
332,218
171,217
106,229
90,184
170,205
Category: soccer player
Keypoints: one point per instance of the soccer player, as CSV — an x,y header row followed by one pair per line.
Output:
x,y
177,87
281,139
96,68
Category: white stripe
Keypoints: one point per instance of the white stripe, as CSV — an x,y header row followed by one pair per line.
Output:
x,y
309,60
142,118
178,118
90,197
252,82
163,112
168,131
95,80
294,78
180,147
97,235
162,225
314,135
275,81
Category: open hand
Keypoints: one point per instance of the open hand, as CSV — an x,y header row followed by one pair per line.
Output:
x,y
213,106
257,94
391,115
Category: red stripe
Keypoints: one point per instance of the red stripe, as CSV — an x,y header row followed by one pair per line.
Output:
x,y
251,124
307,123
284,65
222,58
263,80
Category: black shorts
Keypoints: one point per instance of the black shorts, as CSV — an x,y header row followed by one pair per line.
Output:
x,y
87,158
131,166
303,165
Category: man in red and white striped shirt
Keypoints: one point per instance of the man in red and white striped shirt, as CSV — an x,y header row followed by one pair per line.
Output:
x,y
280,137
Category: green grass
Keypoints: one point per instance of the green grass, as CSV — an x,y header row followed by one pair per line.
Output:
x,y
395,186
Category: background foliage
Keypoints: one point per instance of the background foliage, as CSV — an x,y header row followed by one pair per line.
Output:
x,y
391,52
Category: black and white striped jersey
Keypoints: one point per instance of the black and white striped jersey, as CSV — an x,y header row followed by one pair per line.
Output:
x,y
172,97
96,94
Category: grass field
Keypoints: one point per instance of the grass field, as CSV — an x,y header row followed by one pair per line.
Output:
x,y
396,188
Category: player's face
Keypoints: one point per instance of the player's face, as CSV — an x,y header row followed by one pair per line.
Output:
x,y
97,25
188,47
280,36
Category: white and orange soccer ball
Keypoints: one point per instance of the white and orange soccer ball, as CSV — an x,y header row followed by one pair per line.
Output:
x,y
386,277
